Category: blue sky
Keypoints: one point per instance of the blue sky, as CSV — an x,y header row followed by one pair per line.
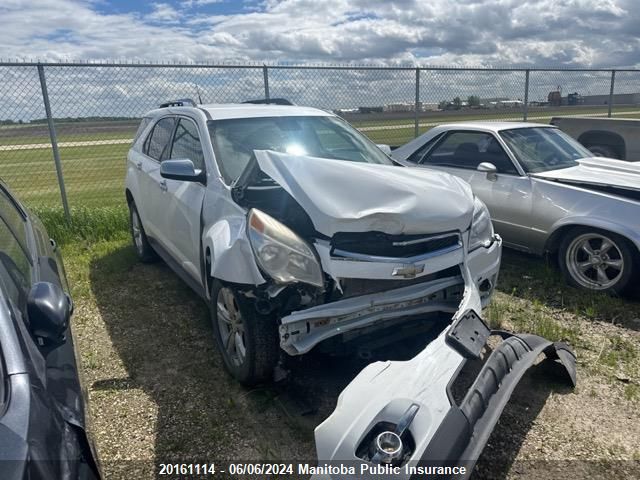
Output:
x,y
596,33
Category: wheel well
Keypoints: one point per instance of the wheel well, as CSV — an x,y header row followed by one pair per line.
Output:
x,y
553,242
127,193
609,139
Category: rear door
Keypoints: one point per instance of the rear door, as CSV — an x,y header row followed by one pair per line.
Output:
x,y
508,196
181,203
151,205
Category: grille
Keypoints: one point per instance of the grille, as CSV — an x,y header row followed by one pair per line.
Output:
x,y
396,246
353,287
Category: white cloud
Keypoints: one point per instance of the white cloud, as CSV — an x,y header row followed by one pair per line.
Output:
x,y
163,13
480,32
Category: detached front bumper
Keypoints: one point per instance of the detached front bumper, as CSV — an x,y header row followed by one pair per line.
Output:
x,y
300,331
414,400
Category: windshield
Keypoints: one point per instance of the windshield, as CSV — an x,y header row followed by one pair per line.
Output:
x,y
540,149
234,140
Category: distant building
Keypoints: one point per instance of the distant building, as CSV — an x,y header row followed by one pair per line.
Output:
x,y
618,99
401,107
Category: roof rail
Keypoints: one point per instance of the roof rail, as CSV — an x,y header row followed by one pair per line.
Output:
x,y
271,101
181,102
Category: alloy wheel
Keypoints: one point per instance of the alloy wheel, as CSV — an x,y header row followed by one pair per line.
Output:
x,y
595,261
231,326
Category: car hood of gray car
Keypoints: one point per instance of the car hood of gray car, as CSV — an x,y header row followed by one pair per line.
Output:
x,y
346,196
598,171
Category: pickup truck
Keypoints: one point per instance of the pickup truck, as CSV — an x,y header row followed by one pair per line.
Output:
x,y
606,137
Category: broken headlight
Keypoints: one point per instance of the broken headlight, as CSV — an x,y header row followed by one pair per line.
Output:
x,y
282,254
481,227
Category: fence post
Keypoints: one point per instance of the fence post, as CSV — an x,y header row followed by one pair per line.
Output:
x,y
54,142
526,96
613,81
265,76
417,118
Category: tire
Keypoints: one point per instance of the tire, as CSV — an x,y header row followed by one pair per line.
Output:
x,y
603,151
585,265
250,354
143,249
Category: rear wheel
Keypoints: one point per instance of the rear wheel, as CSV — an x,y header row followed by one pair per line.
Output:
x,y
596,260
247,340
140,241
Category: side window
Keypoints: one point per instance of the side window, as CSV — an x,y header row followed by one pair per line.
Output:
x,y
157,143
13,217
15,266
418,155
186,143
468,150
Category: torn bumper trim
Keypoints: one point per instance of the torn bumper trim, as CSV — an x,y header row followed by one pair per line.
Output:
x,y
441,433
302,330
465,430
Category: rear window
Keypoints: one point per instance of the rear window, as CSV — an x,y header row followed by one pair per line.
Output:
x,y
157,142
143,124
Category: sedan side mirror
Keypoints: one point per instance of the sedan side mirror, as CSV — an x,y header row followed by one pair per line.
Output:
x,y
490,169
49,310
182,169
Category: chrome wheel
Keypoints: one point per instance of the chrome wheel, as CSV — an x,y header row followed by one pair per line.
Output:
x,y
595,261
136,229
231,326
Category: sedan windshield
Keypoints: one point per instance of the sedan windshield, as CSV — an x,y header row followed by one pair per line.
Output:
x,y
234,140
540,149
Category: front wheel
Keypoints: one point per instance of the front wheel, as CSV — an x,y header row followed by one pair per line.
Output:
x,y
247,340
596,260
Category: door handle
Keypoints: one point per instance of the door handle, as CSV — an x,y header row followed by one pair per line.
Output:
x,y
163,185
139,165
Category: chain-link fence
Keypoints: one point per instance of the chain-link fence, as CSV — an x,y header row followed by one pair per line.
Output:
x,y
65,128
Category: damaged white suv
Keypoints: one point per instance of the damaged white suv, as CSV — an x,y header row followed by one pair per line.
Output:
x,y
297,228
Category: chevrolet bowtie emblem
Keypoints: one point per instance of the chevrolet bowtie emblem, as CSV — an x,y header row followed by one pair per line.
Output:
x,y
407,271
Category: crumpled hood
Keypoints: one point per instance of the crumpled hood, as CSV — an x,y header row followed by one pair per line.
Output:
x,y
599,171
344,196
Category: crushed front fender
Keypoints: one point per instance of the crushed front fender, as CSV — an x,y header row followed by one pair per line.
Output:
x,y
414,401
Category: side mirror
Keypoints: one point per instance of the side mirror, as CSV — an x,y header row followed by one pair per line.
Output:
x,y
49,310
385,148
182,169
490,169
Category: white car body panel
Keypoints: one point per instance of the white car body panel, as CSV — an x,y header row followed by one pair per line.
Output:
x,y
342,196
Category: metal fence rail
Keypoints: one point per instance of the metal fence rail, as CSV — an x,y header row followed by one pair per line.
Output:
x,y
65,128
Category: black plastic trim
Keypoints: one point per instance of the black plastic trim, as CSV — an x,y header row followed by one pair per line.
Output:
x,y
465,430
468,335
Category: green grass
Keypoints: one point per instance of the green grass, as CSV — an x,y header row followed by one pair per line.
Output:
x,y
88,225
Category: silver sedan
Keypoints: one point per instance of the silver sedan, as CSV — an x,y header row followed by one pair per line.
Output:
x,y
546,194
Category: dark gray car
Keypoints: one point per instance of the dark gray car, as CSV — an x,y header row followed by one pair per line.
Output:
x,y
545,193
42,414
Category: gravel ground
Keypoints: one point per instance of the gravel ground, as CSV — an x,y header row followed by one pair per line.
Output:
x,y
158,392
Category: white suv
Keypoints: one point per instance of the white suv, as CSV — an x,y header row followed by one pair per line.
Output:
x,y
296,228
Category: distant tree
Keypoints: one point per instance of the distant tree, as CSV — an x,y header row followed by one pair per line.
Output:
x,y
457,103
473,101
443,104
